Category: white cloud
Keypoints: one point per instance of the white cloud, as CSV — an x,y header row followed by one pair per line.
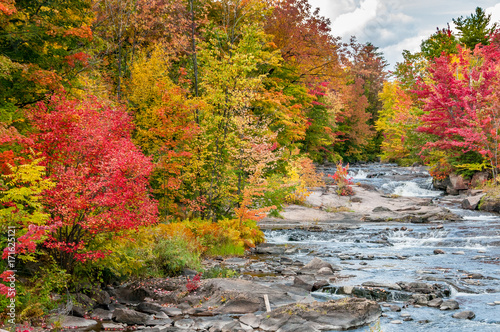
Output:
x,y
350,23
495,12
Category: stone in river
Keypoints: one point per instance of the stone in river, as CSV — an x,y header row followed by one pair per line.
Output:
x,y
439,252
459,253
464,315
395,308
396,322
435,302
449,305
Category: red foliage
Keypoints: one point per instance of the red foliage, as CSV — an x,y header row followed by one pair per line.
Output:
x,y
102,178
193,284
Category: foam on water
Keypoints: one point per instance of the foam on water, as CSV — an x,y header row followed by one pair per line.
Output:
x,y
409,189
358,175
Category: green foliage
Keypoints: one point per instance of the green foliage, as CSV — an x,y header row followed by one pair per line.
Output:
x,y
467,164
219,272
171,256
475,29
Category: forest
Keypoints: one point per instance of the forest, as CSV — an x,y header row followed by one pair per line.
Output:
x,y
139,136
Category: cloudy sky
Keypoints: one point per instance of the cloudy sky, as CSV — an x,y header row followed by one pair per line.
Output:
x,y
397,25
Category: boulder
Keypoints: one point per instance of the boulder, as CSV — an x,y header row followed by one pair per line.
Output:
x,y
316,265
441,184
439,252
449,305
435,302
464,315
472,202
490,202
130,317
83,304
101,314
479,178
251,320
149,307
457,182
341,314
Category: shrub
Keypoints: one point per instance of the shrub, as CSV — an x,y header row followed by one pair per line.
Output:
x,y
342,180
171,256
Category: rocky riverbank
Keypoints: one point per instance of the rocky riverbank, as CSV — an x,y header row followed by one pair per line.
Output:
x,y
293,288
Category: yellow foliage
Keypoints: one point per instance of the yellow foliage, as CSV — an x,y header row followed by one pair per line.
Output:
x,y
302,174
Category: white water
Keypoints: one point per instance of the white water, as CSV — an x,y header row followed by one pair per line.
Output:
x,y
409,189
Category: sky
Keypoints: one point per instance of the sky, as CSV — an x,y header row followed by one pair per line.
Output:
x,y
397,25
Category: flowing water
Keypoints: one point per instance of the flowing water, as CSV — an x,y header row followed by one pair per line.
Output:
x,y
472,250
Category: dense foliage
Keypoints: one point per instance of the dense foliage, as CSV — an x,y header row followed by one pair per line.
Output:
x,y
137,136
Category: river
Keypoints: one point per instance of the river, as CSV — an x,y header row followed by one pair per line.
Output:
x,y
469,266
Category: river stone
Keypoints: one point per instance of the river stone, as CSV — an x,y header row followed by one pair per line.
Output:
x,y
395,308
101,314
341,314
149,307
251,320
71,322
171,311
435,302
317,264
496,302
304,281
113,327
184,323
241,305
320,284
397,321
325,271
464,315
381,284
439,252
130,317
449,305
457,182
471,203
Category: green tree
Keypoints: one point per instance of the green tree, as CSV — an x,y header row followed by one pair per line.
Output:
x,y
475,29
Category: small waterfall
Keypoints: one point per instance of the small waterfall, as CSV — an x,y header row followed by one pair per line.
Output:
x,y
408,189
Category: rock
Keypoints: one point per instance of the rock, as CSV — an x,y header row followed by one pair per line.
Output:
x,y
305,282
320,284
325,271
71,322
184,323
396,321
471,203
479,178
435,302
82,305
439,252
381,209
348,290
101,314
464,315
251,320
316,264
149,307
449,305
128,295
457,182
269,249
101,297
459,253
496,302
341,314
420,299
130,317
381,284
161,315
441,184
395,308
171,311
490,201
241,304
113,327
407,319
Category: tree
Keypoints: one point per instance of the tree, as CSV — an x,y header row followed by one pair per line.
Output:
x,y
442,41
475,29
101,177
41,49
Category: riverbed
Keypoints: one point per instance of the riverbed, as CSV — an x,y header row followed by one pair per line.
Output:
x,y
390,252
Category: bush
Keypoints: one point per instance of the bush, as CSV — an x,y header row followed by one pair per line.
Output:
x,y
219,272
171,256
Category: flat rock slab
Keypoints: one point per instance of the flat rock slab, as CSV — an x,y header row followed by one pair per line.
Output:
x,y
242,296
70,322
341,314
